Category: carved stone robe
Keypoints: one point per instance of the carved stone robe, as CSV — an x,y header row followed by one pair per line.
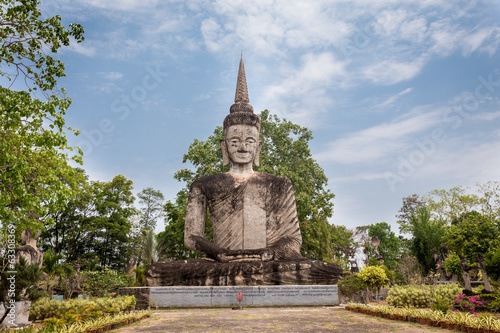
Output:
x,y
254,212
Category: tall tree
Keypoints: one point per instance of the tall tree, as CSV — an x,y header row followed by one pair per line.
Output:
x,y
471,234
286,153
33,145
151,201
342,244
453,203
427,234
110,227
410,205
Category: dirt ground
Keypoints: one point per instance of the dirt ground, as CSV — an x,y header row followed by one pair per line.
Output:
x,y
304,319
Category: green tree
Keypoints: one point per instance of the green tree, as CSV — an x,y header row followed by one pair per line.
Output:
x,y
151,201
110,226
51,266
453,203
69,232
33,145
286,153
410,205
390,244
374,277
471,234
427,234
342,244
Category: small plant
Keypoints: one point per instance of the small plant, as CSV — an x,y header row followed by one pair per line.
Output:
x,y
440,305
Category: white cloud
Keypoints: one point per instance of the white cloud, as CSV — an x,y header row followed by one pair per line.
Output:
x,y
303,91
464,162
392,100
111,75
126,5
381,140
393,71
474,41
487,116
81,48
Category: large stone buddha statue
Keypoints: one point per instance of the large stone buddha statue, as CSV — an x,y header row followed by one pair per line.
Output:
x,y
256,234
253,214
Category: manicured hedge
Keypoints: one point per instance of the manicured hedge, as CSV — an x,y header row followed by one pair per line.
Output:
x,y
43,309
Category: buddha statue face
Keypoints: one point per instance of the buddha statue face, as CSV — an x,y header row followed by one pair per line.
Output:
x,y
241,145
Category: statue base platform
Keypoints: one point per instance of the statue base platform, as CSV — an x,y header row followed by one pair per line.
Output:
x,y
148,297
206,272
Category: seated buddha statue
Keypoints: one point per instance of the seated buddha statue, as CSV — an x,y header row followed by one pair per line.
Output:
x,y
256,234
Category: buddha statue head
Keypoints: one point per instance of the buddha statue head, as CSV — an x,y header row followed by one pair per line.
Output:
x,y
241,143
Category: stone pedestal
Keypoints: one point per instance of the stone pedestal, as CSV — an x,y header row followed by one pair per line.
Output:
x,y
206,272
227,296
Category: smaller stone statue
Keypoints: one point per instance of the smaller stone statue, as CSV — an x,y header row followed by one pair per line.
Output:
x,y
29,250
375,244
465,272
354,266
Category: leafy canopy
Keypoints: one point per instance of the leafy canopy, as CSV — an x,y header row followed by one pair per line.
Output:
x,y
33,146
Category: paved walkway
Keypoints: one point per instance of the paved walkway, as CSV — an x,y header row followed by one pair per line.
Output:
x,y
305,319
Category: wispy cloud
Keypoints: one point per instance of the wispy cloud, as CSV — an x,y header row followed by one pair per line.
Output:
x,y
382,140
392,100
303,91
111,75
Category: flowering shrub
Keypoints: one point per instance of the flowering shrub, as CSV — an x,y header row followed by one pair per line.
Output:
x,y
468,304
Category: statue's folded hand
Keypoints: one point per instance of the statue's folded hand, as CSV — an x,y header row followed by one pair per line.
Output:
x,y
265,254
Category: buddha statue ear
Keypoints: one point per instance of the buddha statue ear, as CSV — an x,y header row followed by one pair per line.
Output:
x,y
256,160
225,154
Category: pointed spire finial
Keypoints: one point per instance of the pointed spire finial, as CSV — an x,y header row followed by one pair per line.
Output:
x,y
241,99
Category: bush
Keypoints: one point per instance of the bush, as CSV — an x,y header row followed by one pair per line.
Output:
x,y
452,264
100,283
373,277
42,309
351,284
422,296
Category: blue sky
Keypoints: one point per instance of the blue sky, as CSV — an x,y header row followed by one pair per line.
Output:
x,y
402,96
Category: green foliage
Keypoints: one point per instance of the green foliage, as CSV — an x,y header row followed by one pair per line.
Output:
x,y
96,224
390,244
26,278
151,201
91,325
422,296
492,263
33,145
410,205
285,152
452,264
140,276
427,235
471,234
100,283
25,40
342,244
373,277
80,307
440,305
351,284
